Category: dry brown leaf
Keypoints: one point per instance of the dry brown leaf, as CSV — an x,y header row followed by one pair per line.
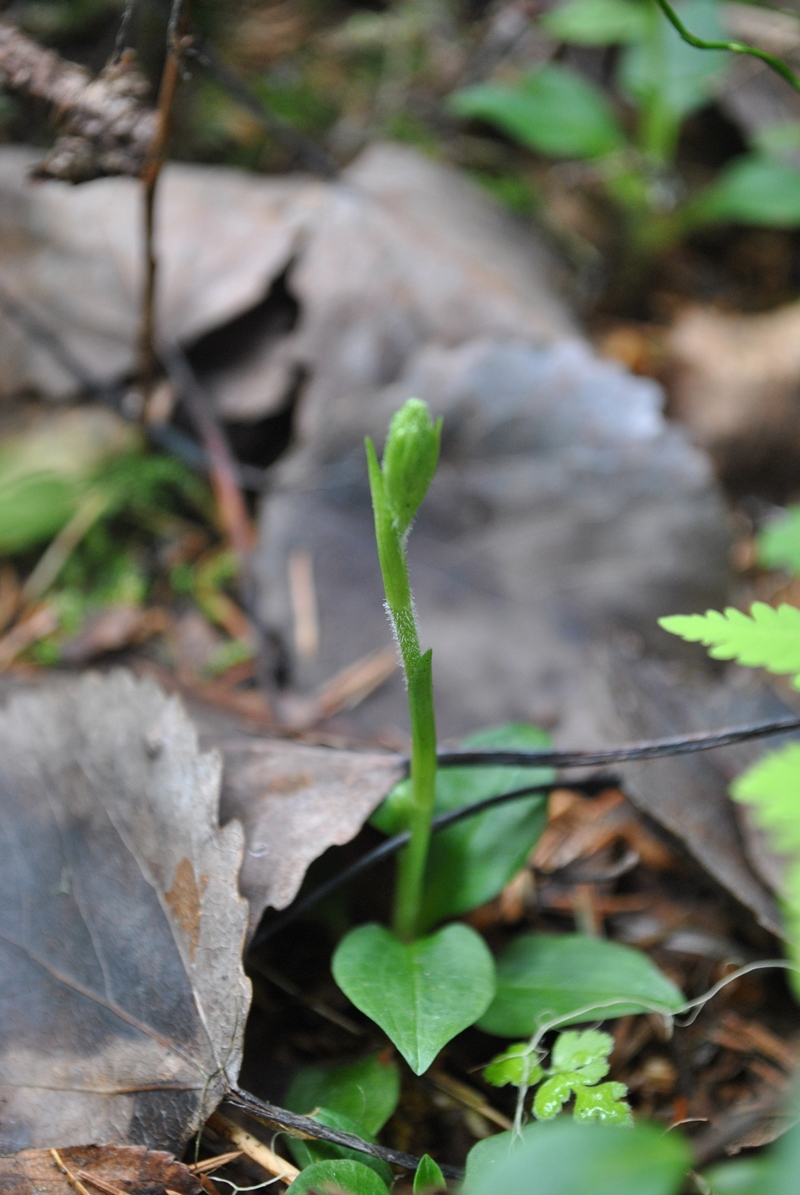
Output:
x,y
125,1169
400,252
294,802
123,1000
735,381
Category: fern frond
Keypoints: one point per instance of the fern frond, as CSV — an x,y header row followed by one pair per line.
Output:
x,y
764,638
772,788
779,542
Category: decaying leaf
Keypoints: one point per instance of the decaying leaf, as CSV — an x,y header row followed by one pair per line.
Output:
x,y
401,251
688,794
130,1169
294,802
123,1000
736,384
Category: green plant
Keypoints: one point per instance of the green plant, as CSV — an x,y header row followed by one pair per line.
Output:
x,y
766,638
423,984
665,76
578,1061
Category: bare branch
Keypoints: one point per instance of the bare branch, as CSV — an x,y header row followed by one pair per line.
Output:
x,y
106,128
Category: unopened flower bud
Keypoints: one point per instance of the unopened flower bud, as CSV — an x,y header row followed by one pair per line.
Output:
x,y
409,460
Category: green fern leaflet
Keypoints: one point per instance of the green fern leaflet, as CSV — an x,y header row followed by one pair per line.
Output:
x,y
764,638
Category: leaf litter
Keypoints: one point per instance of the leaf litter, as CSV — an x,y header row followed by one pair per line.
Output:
x,y
124,1001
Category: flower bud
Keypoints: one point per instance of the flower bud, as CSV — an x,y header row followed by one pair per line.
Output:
x,y
409,460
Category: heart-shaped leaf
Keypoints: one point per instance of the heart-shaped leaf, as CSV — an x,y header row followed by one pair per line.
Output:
x,y
543,978
420,993
335,1177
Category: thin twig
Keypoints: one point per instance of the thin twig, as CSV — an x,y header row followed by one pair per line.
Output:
x,y
304,1126
589,787
221,461
150,175
735,47
121,41
312,156
647,749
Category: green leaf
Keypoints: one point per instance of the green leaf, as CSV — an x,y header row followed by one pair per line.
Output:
x,y
586,1052
541,978
779,542
778,139
429,1177
772,788
764,638
35,508
553,111
597,22
367,1091
306,1152
517,1065
421,993
553,1094
786,1157
664,71
751,190
471,862
409,460
332,1178
752,1176
604,1104
565,1158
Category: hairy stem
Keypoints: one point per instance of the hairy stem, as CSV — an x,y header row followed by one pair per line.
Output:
x,y
391,553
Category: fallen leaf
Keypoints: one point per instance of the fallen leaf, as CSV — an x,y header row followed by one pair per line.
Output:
x,y
295,801
735,382
399,252
123,1001
565,507
688,794
129,1169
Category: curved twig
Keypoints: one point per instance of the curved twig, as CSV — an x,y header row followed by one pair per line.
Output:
x,y
735,47
647,749
304,1126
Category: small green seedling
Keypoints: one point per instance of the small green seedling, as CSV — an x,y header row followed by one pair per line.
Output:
x,y
579,1060
421,991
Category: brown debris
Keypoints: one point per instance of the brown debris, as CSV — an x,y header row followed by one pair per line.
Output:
x,y
110,1169
106,128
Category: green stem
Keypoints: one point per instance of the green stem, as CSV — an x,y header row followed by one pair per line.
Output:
x,y
394,568
411,866
735,47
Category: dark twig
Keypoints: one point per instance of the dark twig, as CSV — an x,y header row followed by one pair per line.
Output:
x,y
648,749
590,787
305,151
303,1126
221,461
151,173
